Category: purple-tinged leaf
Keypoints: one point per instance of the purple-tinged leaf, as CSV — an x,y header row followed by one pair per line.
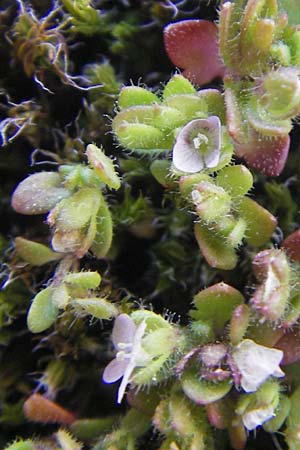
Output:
x,y
264,153
193,46
290,345
38,193
291,245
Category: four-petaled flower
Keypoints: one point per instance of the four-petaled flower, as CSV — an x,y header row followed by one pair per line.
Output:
x,y
126,337
198,145
256,363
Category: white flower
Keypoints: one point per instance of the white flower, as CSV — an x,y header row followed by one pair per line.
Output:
x,y
256,363
198,145
257,416
126,337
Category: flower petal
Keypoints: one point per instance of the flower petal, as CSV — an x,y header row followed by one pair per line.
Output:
x,y
187,159
256,417
193,46
123,331
256,363
114,370
125,380
213,126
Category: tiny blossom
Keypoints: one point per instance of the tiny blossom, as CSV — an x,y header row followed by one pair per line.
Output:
x,y
257,416
256,363
126,337
198,145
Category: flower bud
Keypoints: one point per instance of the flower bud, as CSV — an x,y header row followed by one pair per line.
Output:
x,y
271,297
103,166
281,93
211,201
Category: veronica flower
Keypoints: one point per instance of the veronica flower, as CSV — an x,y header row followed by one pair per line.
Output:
x,y
126,337
256,363
257,408
257,416
198,145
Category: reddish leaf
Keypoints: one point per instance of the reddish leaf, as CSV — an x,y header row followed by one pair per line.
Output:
x,y
264,153
291,245
40,409
193,46
290,345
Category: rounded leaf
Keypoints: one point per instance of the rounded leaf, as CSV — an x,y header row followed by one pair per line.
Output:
x,y
201,391
214,247
193,46
260,223
237,180
216,304
38,193
42,312
84,280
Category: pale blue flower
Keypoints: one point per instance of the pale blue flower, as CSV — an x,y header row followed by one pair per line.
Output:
x,y
198,145
126,337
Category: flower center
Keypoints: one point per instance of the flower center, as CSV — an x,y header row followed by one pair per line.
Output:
x,y
199,140
125,351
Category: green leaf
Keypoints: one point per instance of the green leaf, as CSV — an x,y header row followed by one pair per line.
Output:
x,y
237,180
214,247
96,307
35,253
103,166
85,280
22,445
203,392
178,85
136,95
260,223
216,305
104,232
281,413
42,312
